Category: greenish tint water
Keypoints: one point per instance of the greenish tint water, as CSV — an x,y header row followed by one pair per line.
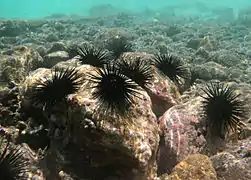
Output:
x,y
41,8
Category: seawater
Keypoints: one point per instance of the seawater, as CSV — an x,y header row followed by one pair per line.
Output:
x,y
32,9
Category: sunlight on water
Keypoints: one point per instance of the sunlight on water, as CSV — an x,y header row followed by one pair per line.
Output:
x,y
41,8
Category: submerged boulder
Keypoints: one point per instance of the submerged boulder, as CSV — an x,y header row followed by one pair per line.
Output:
x,y
13,28
98,147
181,135
53,58
234,162
196,166
16,63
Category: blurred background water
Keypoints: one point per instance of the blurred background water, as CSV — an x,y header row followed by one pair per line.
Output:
x,y
32,9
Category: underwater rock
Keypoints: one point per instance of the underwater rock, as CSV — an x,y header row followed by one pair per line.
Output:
x,y
234,74
55,57
202,52
225,58
8,105
91,146
106,36
247,38
246,75
164,94
194,43
209,43
211,70
57,46
123,19
181,134
196,166
11,40
41,50
173,30
18,62
12,28
51,37
36,24
235,164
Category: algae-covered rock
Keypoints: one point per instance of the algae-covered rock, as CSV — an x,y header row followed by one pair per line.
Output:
x,y
226,58
104,38
55,57
194,167
8,105
211,70
208,43
181,134
57,46
13,28
18,62
234,162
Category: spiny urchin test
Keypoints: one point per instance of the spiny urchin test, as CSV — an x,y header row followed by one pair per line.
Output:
x,y
171,66
113,90
138,70
12,166
55,89
222,108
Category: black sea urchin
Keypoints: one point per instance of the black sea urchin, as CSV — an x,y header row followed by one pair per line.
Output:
x,y
12,166
119,46
53,90
171,66
223,109
93,56
113,90
139,71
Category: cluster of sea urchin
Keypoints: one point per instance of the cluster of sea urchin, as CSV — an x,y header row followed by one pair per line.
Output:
x,y
12,166
222,108
171,66
54,90
115,83
113,90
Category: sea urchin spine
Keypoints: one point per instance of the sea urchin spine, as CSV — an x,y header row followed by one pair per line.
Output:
x,y
12,166
55,89
223,109
138,70
93,56
171,66
113,90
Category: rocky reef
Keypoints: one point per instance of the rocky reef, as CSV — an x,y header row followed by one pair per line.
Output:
x,y
53,105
